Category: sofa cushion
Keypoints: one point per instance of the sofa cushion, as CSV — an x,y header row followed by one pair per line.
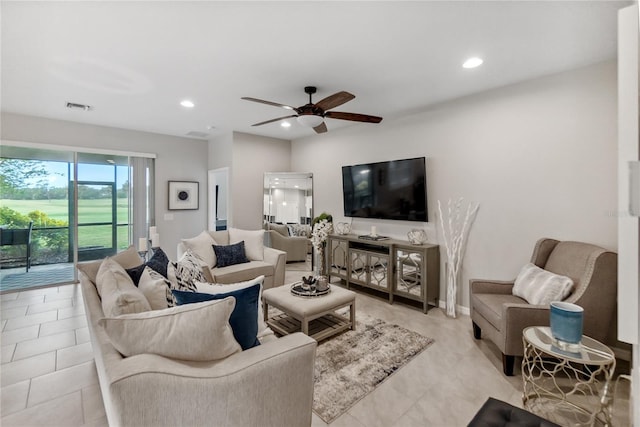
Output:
x,y
128,258
300,230
135,273
540,287
230,254
202,247
222,236
242,272
253,242
280,228
119,294
198,332
489,306
244,318
155,288
159,262
220,288
187,272
182,275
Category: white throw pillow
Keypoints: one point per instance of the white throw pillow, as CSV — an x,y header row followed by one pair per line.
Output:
x,y
215,289
198,332
253,242
128,258
118,293
154,287
202,247
540,287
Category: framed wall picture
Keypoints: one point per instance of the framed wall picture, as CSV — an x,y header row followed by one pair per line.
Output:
x,y
183,195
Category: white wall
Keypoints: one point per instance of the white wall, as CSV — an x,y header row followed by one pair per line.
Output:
x,y
221,151
628,226
178,159
252,157
540,158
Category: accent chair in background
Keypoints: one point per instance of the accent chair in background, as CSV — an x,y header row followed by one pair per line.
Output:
x,y
296,247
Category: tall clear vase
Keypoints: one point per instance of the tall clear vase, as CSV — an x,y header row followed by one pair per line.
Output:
x,y
320,266
320,271
452,290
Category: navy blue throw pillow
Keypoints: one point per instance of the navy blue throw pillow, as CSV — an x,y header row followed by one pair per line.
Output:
x,y
159,262
230,254
244,318
135,273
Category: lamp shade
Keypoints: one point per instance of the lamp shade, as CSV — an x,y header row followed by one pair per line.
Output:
x,y
310,120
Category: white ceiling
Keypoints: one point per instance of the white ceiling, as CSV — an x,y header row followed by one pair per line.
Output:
x,y
134,61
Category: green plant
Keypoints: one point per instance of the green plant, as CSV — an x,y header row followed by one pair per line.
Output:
x,y
13,219
320,217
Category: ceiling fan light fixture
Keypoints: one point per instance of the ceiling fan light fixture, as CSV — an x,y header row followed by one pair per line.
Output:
x,y
310,120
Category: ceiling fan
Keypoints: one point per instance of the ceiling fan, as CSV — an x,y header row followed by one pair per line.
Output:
x,y
313,115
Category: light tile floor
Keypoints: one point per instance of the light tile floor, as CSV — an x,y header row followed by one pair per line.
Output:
x,y
48,376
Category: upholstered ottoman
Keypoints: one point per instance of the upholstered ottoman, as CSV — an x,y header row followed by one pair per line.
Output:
x,y
314,316
496,413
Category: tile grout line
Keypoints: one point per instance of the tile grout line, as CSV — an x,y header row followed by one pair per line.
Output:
x,y
84,421
26,404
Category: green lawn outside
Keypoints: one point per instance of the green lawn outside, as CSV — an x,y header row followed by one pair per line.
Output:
x,y
91,211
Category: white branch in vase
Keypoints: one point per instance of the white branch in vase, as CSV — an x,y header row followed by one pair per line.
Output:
x,y
455,239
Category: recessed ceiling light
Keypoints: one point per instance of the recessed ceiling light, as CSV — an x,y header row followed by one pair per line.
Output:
x,y
472,62
186,103
285,124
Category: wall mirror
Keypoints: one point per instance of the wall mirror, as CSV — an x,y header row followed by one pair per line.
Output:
x,y
288,197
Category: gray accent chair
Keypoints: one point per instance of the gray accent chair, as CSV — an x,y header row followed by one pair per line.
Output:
x,y
502,316
296,247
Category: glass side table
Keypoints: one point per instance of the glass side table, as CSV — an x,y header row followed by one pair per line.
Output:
x,y
566,387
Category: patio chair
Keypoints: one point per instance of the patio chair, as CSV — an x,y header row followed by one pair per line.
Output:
x,y
17,236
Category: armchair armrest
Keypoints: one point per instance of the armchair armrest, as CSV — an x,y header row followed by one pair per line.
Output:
x,y
481,286
517,317
278,259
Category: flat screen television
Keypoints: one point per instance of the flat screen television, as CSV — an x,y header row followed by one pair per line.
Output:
x,y
386,190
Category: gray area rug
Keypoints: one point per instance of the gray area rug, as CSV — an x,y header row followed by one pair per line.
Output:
x,y
351,365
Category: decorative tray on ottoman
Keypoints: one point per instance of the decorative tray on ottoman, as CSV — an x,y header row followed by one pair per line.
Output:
x,y
297,289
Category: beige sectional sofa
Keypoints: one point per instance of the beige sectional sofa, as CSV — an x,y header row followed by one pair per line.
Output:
x,y
267,385
272,266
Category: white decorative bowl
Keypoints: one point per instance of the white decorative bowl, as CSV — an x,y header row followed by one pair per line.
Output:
x,y
417,236
343,228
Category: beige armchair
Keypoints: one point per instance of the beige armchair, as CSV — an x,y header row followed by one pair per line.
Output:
x,y
502,316
296,247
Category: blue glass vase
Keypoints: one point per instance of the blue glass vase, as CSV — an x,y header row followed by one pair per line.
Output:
x,y
566,324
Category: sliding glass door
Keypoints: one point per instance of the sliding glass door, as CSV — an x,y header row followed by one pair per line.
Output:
x,y
70,219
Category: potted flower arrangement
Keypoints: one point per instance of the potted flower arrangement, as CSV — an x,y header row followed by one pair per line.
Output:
x,y
322,227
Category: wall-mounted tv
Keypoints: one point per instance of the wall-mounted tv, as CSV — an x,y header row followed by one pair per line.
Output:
x,y
386,190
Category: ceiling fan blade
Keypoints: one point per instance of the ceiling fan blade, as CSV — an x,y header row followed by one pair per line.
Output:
x,y
321,128
275,120
262,101
334,100
355,117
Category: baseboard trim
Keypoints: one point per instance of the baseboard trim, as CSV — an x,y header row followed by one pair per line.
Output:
x,y
459,308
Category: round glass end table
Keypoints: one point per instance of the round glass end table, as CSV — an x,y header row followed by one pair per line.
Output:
x,y
569,387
